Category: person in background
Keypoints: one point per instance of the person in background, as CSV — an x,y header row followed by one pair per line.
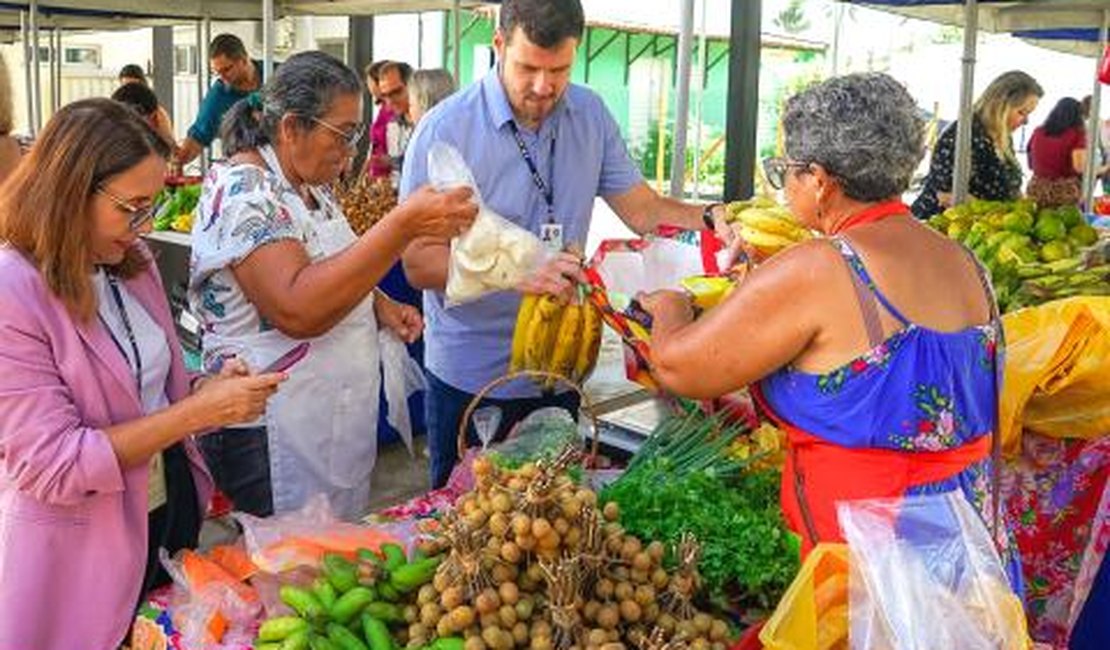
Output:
x,y
10,149
426,89
275,263
995,171
142,100
393,80
575,154
98,463
1058,156
877,348
377,160
237,76
133,74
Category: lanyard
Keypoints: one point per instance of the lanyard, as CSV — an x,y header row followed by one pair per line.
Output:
x,y
545,188
117,297
876,212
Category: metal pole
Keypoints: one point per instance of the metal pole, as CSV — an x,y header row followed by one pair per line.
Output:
x,y
456,17
204,69
1094,121
36,89
682,98
25,37
267,37
56,70
962,173
743,99
838,19
699,111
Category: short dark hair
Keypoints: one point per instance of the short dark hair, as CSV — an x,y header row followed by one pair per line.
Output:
x,y
374,70
402,68
138,97
547,23
1066,114
132,71
227,45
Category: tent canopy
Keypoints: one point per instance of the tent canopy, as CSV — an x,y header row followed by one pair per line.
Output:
x,y
999,17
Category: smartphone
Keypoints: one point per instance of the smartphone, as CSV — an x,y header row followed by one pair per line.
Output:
x,y
287,360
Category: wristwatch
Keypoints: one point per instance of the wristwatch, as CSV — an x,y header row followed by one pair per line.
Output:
x,y
707,215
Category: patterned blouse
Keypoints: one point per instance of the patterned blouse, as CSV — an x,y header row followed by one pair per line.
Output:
x,y
993,178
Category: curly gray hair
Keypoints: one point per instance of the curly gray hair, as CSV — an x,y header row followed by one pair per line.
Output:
x,y
864,129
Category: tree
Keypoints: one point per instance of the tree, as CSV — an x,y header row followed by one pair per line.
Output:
x,y
792,20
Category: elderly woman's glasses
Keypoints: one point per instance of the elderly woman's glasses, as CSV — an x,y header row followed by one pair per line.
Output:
x,y
350,138
136,216
775,169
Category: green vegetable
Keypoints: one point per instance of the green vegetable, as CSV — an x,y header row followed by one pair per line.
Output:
x,y
377,634
351,604
388,612
344,638
277,629
409,577
340,572
324,592
302,602
394,556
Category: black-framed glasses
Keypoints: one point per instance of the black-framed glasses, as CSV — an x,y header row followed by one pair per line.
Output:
x,y
775,170
349,138
136,216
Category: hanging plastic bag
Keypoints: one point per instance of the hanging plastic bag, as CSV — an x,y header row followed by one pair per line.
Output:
x,y
494,254
924,574
813,613
1057,365
401,377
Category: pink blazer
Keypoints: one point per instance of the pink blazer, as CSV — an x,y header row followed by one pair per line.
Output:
x,y
73,523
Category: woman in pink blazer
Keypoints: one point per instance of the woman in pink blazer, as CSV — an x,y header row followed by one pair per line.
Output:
x,y
97,462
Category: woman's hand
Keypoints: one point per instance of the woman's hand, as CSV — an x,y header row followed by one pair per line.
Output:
x,y
668,308
235,396
404,320
430,213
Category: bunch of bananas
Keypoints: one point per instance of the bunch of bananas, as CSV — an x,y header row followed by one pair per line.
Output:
x,y
557,338
764,224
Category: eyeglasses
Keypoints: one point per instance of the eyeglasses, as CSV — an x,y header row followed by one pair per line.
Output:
x,y
137,216
350,139
775,170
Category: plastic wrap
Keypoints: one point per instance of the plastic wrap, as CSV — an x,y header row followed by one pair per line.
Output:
x,y
494,254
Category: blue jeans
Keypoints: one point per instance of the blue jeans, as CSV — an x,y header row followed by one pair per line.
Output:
x,y
445,405
239,460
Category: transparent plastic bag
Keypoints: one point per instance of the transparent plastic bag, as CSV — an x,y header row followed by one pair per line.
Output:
x,y
813,613
284,542
924,574
211,608
542,434
401,377
494,254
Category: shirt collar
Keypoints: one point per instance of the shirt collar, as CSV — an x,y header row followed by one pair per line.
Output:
x,y
501,113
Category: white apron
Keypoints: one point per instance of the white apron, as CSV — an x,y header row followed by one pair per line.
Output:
x,y
322,423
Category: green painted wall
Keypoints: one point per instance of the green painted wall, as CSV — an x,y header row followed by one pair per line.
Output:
x,y
632,92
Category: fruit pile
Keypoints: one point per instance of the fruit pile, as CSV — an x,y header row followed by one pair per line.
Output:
x,y
1033,256
174,208
557,338
348,602
532,563
365,201
766,225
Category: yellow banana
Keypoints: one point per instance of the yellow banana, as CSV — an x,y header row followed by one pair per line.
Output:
x,y
540,337
590,344
765,241
733,210
566,344
520,332
774,222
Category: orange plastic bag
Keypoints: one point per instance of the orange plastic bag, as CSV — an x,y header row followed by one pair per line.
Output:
x,y
813,613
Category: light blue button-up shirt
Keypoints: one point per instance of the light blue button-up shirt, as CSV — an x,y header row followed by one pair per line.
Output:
x,y
468,345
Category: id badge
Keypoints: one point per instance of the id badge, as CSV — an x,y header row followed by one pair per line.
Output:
x,y
551,234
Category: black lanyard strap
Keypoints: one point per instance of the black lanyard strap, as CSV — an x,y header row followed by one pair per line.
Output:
x,y
117,298
546,188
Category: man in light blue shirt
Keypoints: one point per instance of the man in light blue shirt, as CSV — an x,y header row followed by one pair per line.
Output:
x,y
574,154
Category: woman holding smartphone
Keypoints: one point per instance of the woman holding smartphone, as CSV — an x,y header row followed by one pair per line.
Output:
x,y
276,263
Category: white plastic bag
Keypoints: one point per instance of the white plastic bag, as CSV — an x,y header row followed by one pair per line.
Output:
x,y
494,254
924,574
401,377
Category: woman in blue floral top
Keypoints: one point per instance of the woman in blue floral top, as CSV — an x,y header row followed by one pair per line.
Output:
x,y
275,263
877,347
